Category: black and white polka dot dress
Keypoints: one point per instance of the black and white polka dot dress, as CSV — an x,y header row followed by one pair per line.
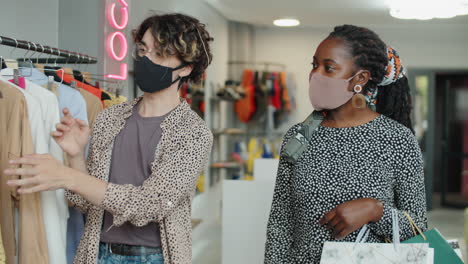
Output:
x,y
380,159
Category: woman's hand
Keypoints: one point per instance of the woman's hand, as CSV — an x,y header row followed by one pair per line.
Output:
x,y
350,216
72,135
44,173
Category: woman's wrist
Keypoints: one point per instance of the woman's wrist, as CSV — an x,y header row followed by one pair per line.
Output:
x,y
378,210
78,156
70,179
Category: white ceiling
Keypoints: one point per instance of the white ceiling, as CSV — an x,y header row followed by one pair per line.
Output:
x,y
319,13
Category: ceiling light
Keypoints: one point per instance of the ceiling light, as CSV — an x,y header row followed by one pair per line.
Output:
x,y
286,22
427,9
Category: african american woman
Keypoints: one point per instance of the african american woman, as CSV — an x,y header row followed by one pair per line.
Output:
x,y
361,162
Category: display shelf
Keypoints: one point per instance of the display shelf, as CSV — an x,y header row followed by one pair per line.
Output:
x,y
226,165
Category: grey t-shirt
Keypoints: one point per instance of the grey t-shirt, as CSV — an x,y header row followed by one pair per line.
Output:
x,y
132,155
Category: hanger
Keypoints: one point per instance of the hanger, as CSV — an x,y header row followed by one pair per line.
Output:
x,y
50,82
52,71
67,70
2,63
40,67
27,62
12,64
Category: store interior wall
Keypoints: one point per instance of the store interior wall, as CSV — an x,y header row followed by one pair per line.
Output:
x,y
296,47
35,21
81,26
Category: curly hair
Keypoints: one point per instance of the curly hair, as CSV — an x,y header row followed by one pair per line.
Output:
x,y
370,53
182,36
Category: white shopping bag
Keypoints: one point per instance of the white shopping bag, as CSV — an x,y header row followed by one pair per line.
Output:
x,y
377,253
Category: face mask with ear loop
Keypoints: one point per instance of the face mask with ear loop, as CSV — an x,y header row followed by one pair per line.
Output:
x,y
326,93
152,77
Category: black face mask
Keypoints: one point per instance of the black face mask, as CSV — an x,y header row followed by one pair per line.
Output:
x,y
152,77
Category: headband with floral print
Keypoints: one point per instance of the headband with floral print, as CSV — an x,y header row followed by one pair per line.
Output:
x,y
394,72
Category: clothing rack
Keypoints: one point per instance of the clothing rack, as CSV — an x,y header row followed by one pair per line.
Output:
x,y
67,57
265,63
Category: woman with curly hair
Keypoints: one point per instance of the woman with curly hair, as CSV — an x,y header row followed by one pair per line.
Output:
x,y
363,160
144,156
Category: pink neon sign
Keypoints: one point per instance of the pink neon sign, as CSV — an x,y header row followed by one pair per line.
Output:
x,y
111,42
111,46
123,73
111,16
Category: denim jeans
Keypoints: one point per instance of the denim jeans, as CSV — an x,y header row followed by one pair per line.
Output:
x,y
106,257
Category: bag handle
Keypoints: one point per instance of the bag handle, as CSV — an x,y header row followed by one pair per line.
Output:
x,y
364,232
414,227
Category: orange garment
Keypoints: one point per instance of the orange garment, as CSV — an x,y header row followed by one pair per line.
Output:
x,y
285,95
96,91
246,107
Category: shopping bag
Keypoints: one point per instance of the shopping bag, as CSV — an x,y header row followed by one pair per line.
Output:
x,y
372,253
443,252
455,245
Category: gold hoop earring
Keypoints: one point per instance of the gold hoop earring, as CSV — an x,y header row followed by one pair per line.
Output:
x,y
358,101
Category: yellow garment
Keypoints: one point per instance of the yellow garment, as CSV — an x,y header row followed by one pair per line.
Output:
x,y
2,251
201,183
254,151
114,100
466,225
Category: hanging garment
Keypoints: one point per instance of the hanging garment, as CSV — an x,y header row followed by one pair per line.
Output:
x,y
21,82
285,93
291,84
254,152
114,100
2,251
54,204
245,107
73,100
20,117
96,91
276,98
261,98
93,106
67,97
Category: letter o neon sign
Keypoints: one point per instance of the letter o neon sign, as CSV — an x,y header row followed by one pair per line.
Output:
x,y
111,38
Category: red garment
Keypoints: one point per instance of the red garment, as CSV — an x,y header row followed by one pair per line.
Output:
x,y
95,91
276,99
22,82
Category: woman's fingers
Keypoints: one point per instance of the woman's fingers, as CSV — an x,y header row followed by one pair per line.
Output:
x,y
21,172
23,182
81,123
339,228
26,160
56,134
343,233
327,217
66,112
333,223
62,128
34,189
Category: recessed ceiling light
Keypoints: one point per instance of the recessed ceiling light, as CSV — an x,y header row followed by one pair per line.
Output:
x,y
427,9
286,22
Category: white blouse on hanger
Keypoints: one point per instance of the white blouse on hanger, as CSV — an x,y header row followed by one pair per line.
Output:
x,y
43,112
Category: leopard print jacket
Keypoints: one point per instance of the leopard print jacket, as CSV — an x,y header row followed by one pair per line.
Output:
x,y
165,197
